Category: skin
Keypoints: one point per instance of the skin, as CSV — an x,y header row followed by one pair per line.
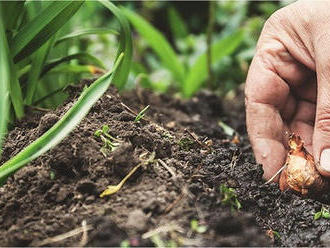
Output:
x,y
288,85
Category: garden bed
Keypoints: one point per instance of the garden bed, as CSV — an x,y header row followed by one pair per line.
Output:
x,y
59,191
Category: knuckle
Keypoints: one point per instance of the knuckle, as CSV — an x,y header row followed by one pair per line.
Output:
x,y
278,17
265,57
323,121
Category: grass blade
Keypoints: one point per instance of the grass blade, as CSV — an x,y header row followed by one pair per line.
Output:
x,y
94,66
16,91
38,61
158,43
11,13
198,72
82,57
4,83
125,45
76,69
35,33
178,27
85,32
63,127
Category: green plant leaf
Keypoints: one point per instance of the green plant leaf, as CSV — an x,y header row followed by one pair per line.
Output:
x,y
37,64
35,74
4,83
73,69
318,215
277,234
84,32
198,72
325,214
11,11
158,43
82,57
63,127
140,115
178,27
35,33
16,91
227,129
125,45
9,80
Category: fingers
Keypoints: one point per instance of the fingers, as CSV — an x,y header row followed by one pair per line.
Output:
x,y
266,93
321,139
274,70
303,123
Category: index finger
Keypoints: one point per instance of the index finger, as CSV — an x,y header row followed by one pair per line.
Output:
x,y
266,94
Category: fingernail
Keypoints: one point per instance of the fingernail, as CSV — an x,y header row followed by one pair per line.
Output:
x,y
325,160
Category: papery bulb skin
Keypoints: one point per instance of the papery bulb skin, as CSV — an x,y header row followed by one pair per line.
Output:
x,y
300,174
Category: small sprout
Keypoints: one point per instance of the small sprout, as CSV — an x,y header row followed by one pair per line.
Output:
x,y
105,129
112,189
323,213
227,129
318,215
159,242
276,234
141,114
98,133
273,234
230,197
125,244
196,227
52,175
109,142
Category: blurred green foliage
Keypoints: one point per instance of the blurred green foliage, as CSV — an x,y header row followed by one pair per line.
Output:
x,y
170,44
173,58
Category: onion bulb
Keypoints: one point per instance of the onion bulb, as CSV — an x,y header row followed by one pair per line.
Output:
x,y
300,174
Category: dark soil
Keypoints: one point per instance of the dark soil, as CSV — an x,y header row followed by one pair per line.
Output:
x,y
60,190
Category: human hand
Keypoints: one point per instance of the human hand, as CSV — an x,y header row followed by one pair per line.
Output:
x,y
288,85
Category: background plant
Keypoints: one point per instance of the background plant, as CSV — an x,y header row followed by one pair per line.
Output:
x,y
172,47
30,43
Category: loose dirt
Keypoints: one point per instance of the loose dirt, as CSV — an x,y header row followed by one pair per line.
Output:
x,y
59,191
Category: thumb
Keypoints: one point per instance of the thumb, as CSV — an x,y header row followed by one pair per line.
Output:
x,y
321,137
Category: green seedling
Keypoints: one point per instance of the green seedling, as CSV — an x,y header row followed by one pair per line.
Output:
x,y
52,175
195,227
229,197
323,213
273,234
109,142
227,129
125,244
159,242
276,234
141,114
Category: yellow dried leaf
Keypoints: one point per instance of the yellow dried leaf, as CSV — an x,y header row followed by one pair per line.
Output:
x,y
112,189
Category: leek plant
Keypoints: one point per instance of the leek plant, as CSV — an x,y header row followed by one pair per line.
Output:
x,y
27,37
